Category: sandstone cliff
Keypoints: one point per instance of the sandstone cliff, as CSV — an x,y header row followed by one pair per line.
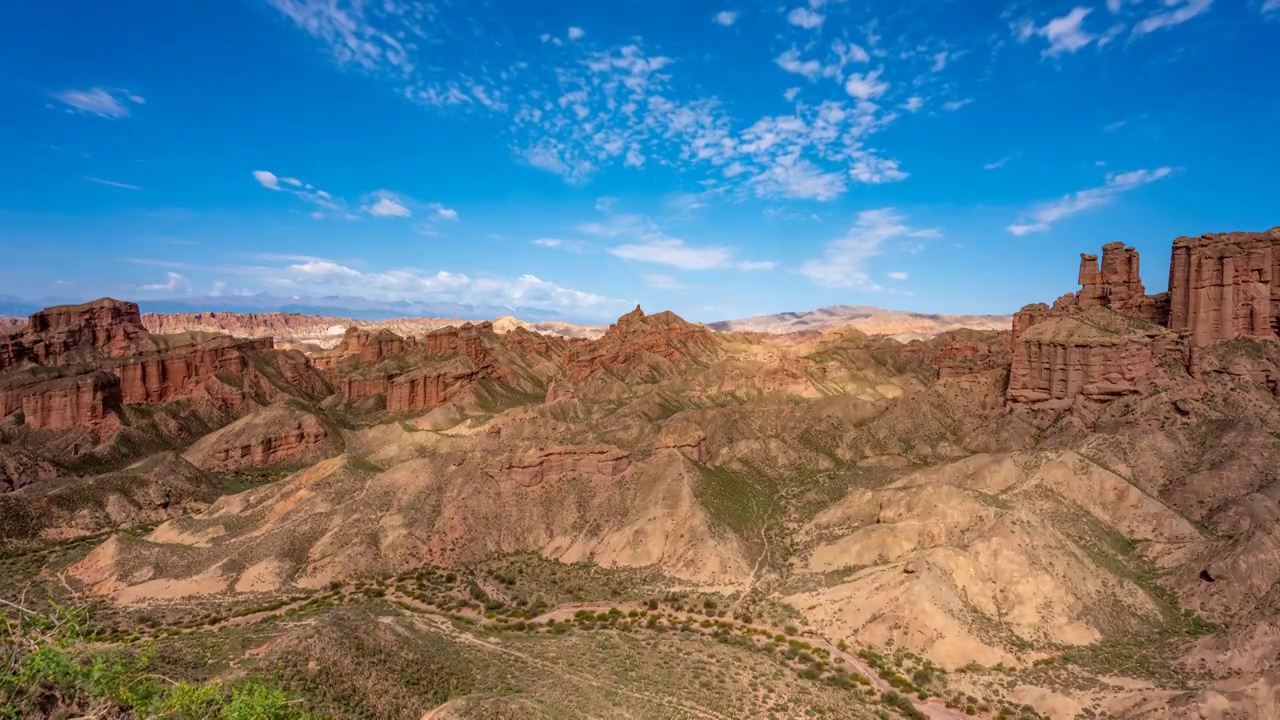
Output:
x,y
76,366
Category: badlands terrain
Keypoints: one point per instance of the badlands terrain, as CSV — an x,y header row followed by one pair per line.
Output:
x,y
1072,514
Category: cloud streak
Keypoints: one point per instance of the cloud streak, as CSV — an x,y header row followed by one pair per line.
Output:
x,y
109,103
1044,215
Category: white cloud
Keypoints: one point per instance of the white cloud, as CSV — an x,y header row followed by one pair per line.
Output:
x,y
561,244
926,234
954,105
913,103
898,275
576,33
444,213
1065,33
387,206
674,252
640,239
291,181
996,165
875,170
663,282
173,281
805,18
790,93
726,17
844,261
756,265
304,276
112,183
1178,12
798,179
939,62
1044,215
574,109
866,86
110,103
1270,6
267,179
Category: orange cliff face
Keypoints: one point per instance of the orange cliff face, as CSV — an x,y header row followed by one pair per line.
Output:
x,y
74,366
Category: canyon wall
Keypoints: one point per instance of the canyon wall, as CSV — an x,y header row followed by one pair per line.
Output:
x,y
76,365
1105,340
1225,286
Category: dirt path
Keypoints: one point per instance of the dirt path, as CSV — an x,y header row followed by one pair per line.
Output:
x,y
934,708
443,625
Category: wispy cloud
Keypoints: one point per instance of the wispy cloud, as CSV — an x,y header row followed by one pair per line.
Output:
x,y
110,103
663,282
1044,215
112,183
674,252
897,275
1270,6
726,17
576,246
1065,34
805,18
1176,13
844,261
576,33
173,281
640,239
996,165
574,109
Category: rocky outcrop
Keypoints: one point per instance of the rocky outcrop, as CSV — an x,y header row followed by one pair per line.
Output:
x,y
1096,353
592,462
685,438
73,333
276,435
1225,286
19,468
644,343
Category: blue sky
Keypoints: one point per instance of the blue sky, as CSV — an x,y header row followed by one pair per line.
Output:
x,y
576,157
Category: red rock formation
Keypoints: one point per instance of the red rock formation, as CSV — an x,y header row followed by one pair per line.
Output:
x,y
1225,286
84,401
637,337
179,372
424,391
1094,353
81,362
106,327
1114,284
533,468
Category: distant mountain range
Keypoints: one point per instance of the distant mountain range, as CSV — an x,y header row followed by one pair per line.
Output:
x,y
901,324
